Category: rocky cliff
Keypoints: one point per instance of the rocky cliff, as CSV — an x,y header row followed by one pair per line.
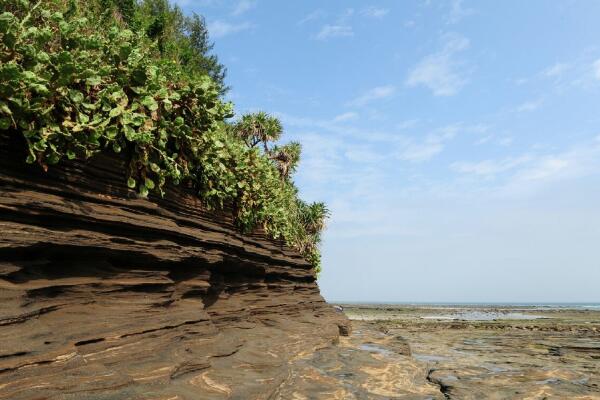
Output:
x,y
107,296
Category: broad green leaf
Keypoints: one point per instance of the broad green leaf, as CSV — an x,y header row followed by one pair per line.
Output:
x,y
149,183
115,112
150,103
5,123
143,191
76,96
94,81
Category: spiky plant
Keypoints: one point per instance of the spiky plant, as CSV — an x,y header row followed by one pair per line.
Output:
x,y
314,216
286,158
258,128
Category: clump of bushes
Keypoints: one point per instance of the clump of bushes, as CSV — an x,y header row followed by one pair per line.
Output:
x,y
74,82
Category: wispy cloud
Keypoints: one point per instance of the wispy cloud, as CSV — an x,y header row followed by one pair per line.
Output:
x,y
489,168
440,72
419,152
377,93
433,144
458,12
315,15
527,173
374,12
342,27
221,28
334,31
556,70
596,69
409,123
243,6
545,168
582,72
345,117
529,106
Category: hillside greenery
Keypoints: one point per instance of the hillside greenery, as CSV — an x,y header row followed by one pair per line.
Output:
x,y
122,76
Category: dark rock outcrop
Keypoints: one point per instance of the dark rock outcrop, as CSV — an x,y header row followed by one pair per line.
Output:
x,y
107,296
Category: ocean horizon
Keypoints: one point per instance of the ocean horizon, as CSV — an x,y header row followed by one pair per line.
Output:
x,y
561,305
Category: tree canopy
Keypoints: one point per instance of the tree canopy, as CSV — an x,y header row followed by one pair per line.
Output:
x,y
180,38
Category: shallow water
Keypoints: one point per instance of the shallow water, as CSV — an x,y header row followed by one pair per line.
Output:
x,y
476,315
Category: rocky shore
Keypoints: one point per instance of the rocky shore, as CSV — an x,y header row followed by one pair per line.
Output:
x,y
406,352
107,296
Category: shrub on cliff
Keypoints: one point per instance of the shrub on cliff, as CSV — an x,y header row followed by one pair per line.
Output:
x,y
73,84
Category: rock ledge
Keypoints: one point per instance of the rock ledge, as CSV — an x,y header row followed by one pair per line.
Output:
x,y
106,296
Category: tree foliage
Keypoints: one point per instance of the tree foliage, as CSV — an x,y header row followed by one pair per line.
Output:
x,y
72,86
180,38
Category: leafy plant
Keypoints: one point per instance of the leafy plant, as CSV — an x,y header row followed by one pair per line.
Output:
x,y
71,87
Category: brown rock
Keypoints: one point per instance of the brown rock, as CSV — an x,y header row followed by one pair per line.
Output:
x,y
107,296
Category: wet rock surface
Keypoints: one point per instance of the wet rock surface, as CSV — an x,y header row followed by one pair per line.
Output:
x,y
107,296
404,352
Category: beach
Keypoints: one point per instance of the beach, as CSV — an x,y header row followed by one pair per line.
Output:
x,y
458,352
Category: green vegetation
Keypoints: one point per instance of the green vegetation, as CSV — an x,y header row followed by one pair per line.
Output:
x,y
137,78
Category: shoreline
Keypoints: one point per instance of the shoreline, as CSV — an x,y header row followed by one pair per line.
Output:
x,y
402,352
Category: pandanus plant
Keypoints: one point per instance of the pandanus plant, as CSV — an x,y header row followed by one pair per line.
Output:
x,y
262,128
314,216
286,158
258,128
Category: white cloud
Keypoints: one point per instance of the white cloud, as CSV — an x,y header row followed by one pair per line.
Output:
x,y
555,70
317,14
596,68
334,31
458,12
419,152
489,167
526,174
375,12
409,123
377,93
416,152
345,117
545,168
220,28
243,6
529,106
440,71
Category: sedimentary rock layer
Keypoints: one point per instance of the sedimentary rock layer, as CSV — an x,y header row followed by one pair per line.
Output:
x,y
107,296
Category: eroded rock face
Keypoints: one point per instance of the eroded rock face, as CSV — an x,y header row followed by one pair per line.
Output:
x,y
106,296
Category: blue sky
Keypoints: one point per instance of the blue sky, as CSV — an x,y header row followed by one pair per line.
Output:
x,y
456,143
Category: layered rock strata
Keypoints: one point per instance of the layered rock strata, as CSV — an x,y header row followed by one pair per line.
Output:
x,y
107,296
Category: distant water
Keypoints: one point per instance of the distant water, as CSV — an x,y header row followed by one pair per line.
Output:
x,y
484,315
530,306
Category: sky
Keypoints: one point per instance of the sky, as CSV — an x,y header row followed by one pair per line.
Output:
x,y
456,143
